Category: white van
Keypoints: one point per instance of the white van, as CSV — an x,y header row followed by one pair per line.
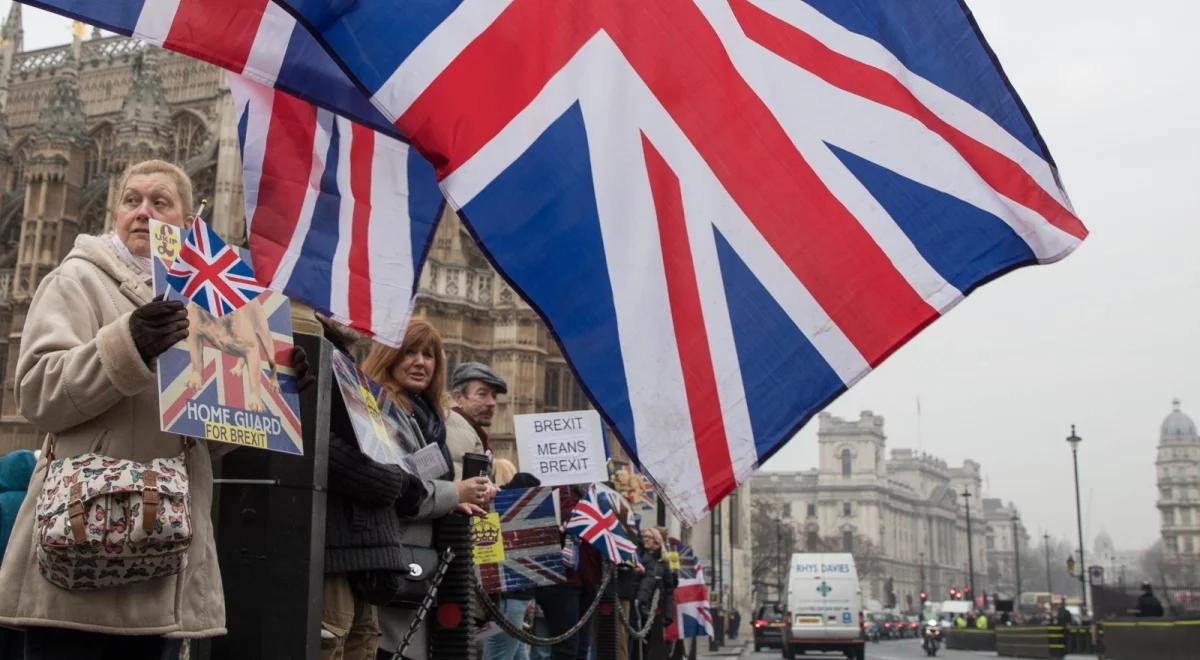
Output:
x,y
824,606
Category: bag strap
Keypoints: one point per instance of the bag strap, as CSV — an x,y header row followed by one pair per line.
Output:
x,y
150,500
76,513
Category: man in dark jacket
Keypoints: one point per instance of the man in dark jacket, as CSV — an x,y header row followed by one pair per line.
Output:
x,y
1148,604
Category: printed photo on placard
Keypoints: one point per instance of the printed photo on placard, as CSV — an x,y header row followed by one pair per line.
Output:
x,y
372,412
230,380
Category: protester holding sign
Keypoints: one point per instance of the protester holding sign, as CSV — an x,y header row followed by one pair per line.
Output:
x,y
415,375
363,531
86,374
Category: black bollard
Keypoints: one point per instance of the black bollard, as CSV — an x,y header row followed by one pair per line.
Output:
x,y
269,521
605,624
453,617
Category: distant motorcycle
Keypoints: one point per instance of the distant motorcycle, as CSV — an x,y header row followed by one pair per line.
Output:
x,y
931,637
872,631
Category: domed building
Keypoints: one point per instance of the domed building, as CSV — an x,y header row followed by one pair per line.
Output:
x,y
1178,468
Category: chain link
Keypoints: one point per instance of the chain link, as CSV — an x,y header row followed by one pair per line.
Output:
x,y
508,627
624,619
426,602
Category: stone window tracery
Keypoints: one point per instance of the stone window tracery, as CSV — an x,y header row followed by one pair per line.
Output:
x,y
190,136
99,156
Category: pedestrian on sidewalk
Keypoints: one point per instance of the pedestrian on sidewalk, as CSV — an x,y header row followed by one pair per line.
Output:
x,y
1148,603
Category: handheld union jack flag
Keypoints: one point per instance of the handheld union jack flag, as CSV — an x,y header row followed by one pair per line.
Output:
x,y
693,618
211,274
595,520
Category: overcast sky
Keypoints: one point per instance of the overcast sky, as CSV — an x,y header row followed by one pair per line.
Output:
x,y
1104,339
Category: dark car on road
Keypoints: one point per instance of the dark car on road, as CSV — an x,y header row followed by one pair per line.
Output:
x,y
769,621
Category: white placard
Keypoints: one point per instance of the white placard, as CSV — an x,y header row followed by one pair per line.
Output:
x,y
562,448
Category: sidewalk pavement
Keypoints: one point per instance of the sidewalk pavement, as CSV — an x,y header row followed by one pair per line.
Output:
x,y
735,649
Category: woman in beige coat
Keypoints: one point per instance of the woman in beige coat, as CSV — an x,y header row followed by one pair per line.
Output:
x,y
86,375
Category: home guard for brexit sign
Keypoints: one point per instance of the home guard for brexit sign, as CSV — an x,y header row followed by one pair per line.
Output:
x,y
562,448
231,379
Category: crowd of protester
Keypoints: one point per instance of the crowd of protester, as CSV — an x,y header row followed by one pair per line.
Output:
x,y
85,374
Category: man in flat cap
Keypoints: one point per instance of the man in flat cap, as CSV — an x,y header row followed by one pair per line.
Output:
x,y
473,387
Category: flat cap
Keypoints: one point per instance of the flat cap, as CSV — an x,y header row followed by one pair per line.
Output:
x,y
468,371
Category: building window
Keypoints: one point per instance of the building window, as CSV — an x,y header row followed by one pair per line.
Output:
x,y
846,462
1185,516
812,542
847,541
190,135
812,510
99,156
787,509
847,509
551,392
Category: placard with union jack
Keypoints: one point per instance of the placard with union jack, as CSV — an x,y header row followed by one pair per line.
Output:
x,y
231,380
529,534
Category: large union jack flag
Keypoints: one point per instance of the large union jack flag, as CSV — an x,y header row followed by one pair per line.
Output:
x,y
211,273
532,545
727,211
594,520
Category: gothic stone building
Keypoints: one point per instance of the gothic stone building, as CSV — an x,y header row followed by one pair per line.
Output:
x,y
902,517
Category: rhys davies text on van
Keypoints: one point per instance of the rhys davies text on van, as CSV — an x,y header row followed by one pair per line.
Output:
x,y
822,569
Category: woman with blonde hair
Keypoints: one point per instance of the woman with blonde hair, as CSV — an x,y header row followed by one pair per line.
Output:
x,y
415,376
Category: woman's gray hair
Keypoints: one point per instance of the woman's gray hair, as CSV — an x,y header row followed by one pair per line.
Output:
x,y
183,183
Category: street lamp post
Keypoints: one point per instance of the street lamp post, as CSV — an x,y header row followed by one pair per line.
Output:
x,y
1017,557
1049,580
1074,441
782,559
922,572
966,495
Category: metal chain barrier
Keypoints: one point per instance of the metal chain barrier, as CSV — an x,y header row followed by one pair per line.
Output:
x,y
508,627
639,634
426,602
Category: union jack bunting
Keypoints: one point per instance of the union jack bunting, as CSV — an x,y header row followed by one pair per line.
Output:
x,y
762,199
594,520
529,524
693,618
212,274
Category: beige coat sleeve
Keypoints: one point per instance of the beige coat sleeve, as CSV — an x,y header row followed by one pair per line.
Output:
x,y
72,367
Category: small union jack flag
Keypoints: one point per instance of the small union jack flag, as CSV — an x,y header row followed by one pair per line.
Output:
x,y
212,274
595,520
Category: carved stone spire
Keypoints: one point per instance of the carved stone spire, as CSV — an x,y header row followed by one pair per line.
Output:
x,y
13,31
145,126
63,113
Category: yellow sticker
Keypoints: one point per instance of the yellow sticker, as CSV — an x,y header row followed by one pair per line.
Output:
x,y
165,241
673,560
488,541
373,412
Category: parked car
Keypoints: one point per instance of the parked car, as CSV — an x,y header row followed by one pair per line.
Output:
x,y
769,621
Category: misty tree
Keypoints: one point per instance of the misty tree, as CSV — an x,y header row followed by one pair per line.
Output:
x,y
773,539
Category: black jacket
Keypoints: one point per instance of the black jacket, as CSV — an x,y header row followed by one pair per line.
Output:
x,y
1148,605
657,573
364,503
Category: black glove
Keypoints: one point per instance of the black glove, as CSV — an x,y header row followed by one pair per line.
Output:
x,y
157,326
300,365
